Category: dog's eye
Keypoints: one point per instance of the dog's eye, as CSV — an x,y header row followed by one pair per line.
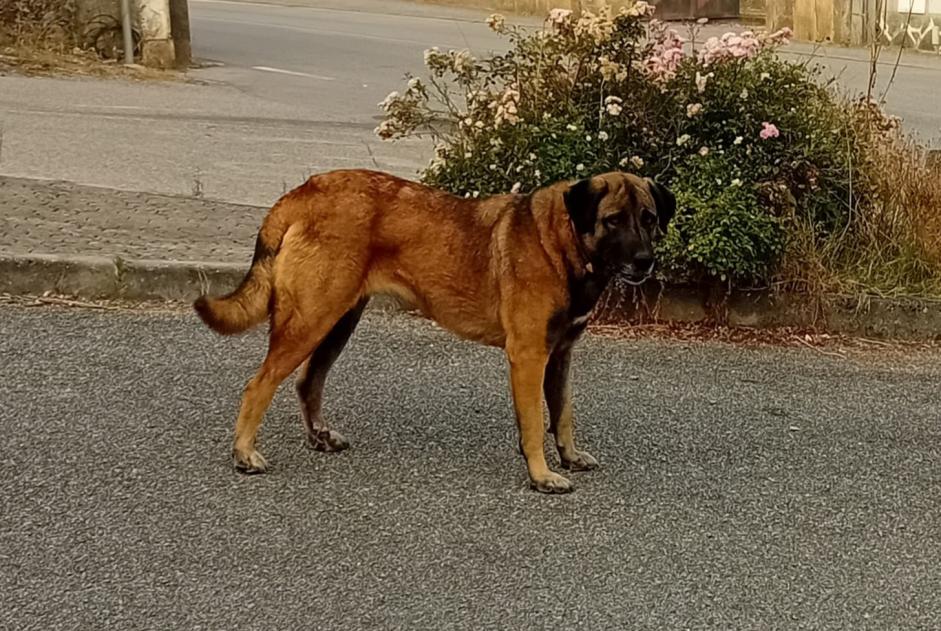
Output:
x,y
648,218
613,221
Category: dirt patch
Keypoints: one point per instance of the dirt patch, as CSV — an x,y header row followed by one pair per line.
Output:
x,y
838,346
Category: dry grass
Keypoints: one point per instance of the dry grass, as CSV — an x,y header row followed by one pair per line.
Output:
x,y
39,37
891,243
39,60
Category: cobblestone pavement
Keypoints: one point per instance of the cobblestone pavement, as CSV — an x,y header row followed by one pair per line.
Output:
x,y
40,217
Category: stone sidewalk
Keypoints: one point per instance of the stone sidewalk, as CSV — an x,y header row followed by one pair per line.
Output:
x,y
94,242
62,218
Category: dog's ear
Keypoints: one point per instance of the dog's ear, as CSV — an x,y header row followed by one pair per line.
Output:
x,y
581,200
665,201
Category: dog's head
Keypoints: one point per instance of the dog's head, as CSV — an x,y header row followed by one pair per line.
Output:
x,y
617,218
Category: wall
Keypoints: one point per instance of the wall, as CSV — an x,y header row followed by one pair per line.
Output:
x,y
857,22
152,22
914,23
670,9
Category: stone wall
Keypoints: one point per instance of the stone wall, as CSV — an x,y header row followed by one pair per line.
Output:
x,y
99,24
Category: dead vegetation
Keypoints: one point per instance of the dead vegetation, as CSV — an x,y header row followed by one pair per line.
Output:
x,y
43,37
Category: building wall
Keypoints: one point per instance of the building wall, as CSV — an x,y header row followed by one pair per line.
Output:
x,y
151,19
913,23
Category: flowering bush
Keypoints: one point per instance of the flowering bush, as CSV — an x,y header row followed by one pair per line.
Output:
x,y
756,149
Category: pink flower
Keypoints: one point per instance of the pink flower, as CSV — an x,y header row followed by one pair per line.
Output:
x,y
667,53
768,130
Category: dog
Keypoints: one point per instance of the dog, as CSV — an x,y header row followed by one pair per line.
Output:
x,y
519,272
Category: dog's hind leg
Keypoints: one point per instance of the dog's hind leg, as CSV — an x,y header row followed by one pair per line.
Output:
x,y
313,375
311,295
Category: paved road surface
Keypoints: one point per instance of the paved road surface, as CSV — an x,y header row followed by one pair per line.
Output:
x,y
740,489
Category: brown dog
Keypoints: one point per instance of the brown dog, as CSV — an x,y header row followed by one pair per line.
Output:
x,y
521,272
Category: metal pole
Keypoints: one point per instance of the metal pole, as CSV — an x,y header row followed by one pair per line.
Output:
x,y
128,36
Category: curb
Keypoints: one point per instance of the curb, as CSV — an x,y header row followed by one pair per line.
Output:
x,y
99,277
182,281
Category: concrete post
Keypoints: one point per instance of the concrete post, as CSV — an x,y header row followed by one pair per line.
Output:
x,y
180,29
157,47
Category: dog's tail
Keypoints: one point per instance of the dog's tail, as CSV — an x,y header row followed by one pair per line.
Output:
x,y
248,305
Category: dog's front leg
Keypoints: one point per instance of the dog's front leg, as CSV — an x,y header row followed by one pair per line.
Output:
x,y
527,370
558,391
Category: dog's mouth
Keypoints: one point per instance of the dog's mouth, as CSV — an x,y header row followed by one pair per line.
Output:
x,y
634,278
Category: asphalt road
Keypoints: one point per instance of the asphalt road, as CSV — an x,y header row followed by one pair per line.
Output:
x,y
739,488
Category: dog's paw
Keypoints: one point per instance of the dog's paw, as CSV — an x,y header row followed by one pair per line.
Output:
x,y
250,463
327,441
552,483
583,461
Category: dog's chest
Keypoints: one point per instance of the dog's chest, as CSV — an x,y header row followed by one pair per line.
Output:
x,y
567,324
583,296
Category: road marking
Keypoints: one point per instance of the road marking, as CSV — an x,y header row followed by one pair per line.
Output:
x,y
111,107
293,73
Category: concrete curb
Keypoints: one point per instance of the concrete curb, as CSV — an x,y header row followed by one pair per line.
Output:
x,y
103,278
99,277
859,316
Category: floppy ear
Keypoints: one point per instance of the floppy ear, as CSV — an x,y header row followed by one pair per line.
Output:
x,y
665,201
582,201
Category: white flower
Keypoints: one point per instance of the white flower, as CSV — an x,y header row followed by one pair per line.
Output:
x,y
612,105
463,61
468,121
704,151
538,173
602,136
623,162
692,109
387,102
638,9
475,194
468,155
765,76
532,156
479,124
738,140
517,188
571,127
559,16
736,182
588,137
637,161
701,80
413,83
682,140
496,22
493,167
744,94
579,167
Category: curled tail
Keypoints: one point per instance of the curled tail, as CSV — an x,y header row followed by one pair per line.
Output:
x,y
247,306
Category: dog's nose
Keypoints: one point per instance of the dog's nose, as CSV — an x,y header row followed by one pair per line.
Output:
x,y
643,262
